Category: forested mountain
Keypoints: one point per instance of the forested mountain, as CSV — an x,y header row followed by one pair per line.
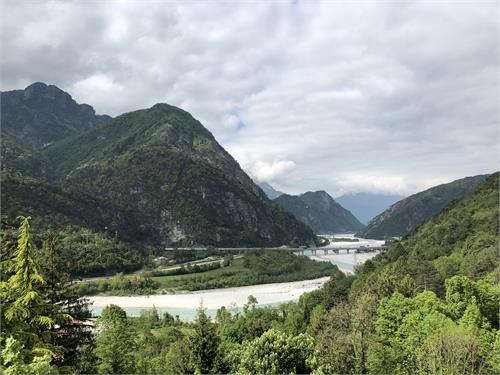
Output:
x,y
365,206
156,176
41,114
427,305
406,215
271,192
461,240
320,211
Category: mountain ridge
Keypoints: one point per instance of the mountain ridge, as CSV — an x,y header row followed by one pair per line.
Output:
x,y
41,114
406,215
320,211
163,168
271,192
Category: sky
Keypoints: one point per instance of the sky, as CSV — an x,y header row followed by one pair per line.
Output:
x,y
382,97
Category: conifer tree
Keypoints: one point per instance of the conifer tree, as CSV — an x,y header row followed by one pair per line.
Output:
x,y
115,343
73,338
26,316
204,343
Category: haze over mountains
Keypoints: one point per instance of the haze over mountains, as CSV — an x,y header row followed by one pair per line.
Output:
x,y
154,175
406,215
365,206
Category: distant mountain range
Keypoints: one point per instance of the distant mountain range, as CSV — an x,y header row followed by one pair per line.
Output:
x,y
154,176
320,211
269,190
406,215
365,206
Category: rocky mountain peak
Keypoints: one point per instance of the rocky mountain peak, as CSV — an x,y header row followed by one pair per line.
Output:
x,y
41,114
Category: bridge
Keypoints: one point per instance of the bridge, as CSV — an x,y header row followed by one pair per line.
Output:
x,y
345,250
300,250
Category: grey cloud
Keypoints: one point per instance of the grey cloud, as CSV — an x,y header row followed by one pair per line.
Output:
x,y
381,96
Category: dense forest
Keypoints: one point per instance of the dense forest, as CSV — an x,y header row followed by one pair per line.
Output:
x,y
427,305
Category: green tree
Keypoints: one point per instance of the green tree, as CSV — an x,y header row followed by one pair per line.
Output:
x,y
26,316
178,359
204,343
13,362
115,342
453,350
276,353
74,337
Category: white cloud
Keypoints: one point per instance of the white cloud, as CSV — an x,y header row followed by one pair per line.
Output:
x,y
98,88
378,96
265,171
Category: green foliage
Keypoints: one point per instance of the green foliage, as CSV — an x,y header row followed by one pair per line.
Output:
x,y
204,344
428,334
115,343
119,285
165,169
276,353
462,240
72,338
26,315
13,363
266,266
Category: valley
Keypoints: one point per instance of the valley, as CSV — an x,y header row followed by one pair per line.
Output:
x,y
141,236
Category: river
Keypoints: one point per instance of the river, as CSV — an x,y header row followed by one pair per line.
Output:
x,y
346,262
185,304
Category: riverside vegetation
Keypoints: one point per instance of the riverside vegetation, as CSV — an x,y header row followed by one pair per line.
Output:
x,y
256,267
427,305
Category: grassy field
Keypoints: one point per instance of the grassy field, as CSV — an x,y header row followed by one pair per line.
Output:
x,y
254,268
178,281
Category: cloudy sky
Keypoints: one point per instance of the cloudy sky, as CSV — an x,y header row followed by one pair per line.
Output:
x,y
359,96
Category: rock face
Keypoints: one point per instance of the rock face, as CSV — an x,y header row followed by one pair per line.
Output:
x,y
161,171
406,215
41,114
320,211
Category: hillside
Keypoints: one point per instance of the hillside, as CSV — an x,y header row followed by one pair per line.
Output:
x,y
42,114
155,176
320,211
406,215
461,240
365,206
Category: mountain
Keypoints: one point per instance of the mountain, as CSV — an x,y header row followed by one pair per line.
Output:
x,y
406,215
42,114
320,211
154,176
366,206
269,190
460,240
